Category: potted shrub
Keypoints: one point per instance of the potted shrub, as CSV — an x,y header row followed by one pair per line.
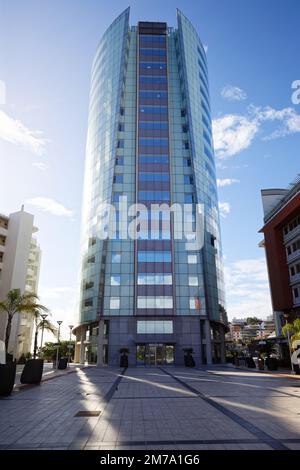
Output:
x,y
250,362
271,363
124,357
62,363
188,358
32,372
14,304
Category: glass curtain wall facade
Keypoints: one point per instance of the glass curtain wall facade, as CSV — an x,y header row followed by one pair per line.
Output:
x,y
149,139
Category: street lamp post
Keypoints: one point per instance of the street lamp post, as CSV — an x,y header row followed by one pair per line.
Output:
x,y
286,316
44,316
69,356
59,322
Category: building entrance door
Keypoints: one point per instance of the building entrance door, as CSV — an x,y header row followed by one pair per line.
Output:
x,y
154,354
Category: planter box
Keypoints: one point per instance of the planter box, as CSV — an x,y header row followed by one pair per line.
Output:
x,y
62,363
7,378
32,372
189,361
250,363
271,363
124,361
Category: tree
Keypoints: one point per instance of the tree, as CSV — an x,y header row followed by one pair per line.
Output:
x,y
253,321
49,349
293,329
41,324
223,314
16,303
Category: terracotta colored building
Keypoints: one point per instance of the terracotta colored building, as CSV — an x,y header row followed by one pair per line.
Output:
x,y
282,245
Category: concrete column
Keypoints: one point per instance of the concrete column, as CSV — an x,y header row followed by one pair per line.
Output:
x,y
222,337
100,343
208,342
82,345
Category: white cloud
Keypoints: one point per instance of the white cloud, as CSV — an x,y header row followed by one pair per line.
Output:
x,y
226,182
232,134
47,204
15,132
233,93
40,165
54,292
205,47
287,116
224,208
247,288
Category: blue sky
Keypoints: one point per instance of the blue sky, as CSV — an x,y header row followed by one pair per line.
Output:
x,y
46,50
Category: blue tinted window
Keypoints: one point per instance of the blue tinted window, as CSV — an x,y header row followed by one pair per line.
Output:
x,y
204,84
154,177
118,179
153,142
152,38
187,162
204,96
119,161
205,121
154,109
188,179
153,94
154,256
116,197
206,137
188,198
154,195
210,170
208,153
201,55
205,108
154,80
153,51
120,144
202,69
153,65
150,125
154,159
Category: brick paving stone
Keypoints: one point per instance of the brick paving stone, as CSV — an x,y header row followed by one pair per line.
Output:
x,y
212,408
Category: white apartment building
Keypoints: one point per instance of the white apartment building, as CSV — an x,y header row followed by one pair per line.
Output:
x,y
20,258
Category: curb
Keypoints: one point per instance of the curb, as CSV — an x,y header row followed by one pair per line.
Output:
x,y
268,372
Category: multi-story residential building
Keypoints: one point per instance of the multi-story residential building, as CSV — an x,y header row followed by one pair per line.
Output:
x,y
282,246
20,258
269,326
236,329
239,330
150,139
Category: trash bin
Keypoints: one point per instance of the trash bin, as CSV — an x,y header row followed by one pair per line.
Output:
x,y
250,363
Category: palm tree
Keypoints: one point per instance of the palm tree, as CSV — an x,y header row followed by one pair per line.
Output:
x,y
292,330
16,303
41,324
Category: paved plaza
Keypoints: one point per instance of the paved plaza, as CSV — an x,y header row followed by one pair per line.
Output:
x,y
154,408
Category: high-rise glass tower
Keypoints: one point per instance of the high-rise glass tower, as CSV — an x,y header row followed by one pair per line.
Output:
x,y
150,142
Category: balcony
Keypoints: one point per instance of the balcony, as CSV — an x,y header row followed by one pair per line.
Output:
x,y
293,256
295,279
3,231
291,234
296,302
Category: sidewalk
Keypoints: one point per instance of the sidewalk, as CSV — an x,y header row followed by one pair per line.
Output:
x,y
49,373
278,373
